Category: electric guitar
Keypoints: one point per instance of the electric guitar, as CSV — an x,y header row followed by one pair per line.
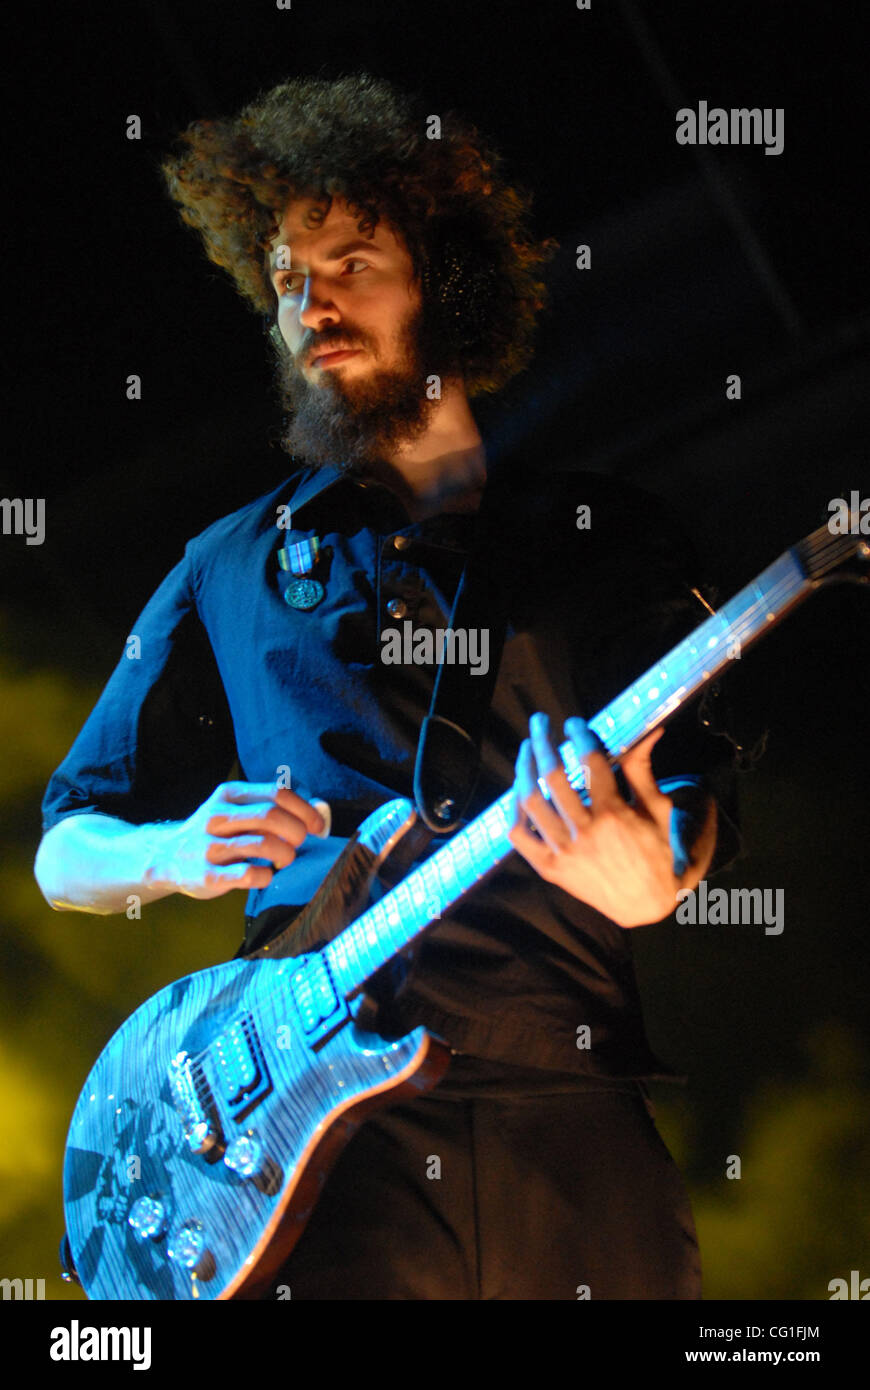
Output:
x,y
206,1130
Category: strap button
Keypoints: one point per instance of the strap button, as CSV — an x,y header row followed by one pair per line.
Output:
x,y
397,608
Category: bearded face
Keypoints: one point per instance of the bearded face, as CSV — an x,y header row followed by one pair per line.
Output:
x,y
360,345
351,419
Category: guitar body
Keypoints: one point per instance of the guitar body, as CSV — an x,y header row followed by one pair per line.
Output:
x,y
233,1053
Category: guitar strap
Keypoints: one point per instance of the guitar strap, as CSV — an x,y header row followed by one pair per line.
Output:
x,y
448,752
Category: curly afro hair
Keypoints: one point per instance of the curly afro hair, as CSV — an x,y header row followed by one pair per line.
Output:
x,y
359,139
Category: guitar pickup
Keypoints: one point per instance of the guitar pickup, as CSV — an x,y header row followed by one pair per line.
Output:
x,y
320,1010
239,1067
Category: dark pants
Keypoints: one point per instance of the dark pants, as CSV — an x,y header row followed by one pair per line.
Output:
x,y
533,1197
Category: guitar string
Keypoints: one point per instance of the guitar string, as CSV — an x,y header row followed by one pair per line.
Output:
x,y
822,544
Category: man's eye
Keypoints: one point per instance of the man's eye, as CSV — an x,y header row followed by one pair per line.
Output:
x,y
294,284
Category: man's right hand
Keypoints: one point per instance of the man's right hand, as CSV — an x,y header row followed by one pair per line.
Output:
x,y
213,851
95,863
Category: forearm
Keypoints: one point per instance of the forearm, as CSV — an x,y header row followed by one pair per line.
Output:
x,y
94,863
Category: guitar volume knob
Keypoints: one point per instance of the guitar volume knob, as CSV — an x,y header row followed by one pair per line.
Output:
x,y
148,1218
188,1245
244,1156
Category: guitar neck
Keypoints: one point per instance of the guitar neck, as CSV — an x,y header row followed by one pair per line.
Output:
x,y
455,868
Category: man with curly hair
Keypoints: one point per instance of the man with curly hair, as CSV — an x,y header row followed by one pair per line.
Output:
x,y
400,279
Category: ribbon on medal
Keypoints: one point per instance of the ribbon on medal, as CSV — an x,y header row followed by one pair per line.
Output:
x,y
299,559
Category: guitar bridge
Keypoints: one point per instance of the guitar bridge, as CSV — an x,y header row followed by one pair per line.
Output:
x,y
194,1103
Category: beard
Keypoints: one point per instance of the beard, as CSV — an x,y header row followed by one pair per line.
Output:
x,y
354,424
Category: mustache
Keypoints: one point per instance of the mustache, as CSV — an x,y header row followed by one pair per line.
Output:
x,y
334,340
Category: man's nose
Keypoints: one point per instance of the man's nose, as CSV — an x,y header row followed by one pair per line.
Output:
x,y
316,308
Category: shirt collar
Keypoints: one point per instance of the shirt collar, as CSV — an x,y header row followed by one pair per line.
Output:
x,y
317,482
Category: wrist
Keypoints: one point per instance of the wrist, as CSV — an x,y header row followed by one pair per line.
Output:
x,y
692,832
157,844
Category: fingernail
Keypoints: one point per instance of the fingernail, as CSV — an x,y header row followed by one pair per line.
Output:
x,y
324,809
581,735
525,775
545,755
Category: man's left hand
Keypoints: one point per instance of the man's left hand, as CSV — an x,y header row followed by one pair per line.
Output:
x,y
625,860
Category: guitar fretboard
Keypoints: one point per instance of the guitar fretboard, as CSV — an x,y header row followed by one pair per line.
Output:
x,y
473,852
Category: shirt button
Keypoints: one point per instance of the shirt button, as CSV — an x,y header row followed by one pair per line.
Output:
x,y
401,542
397,608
